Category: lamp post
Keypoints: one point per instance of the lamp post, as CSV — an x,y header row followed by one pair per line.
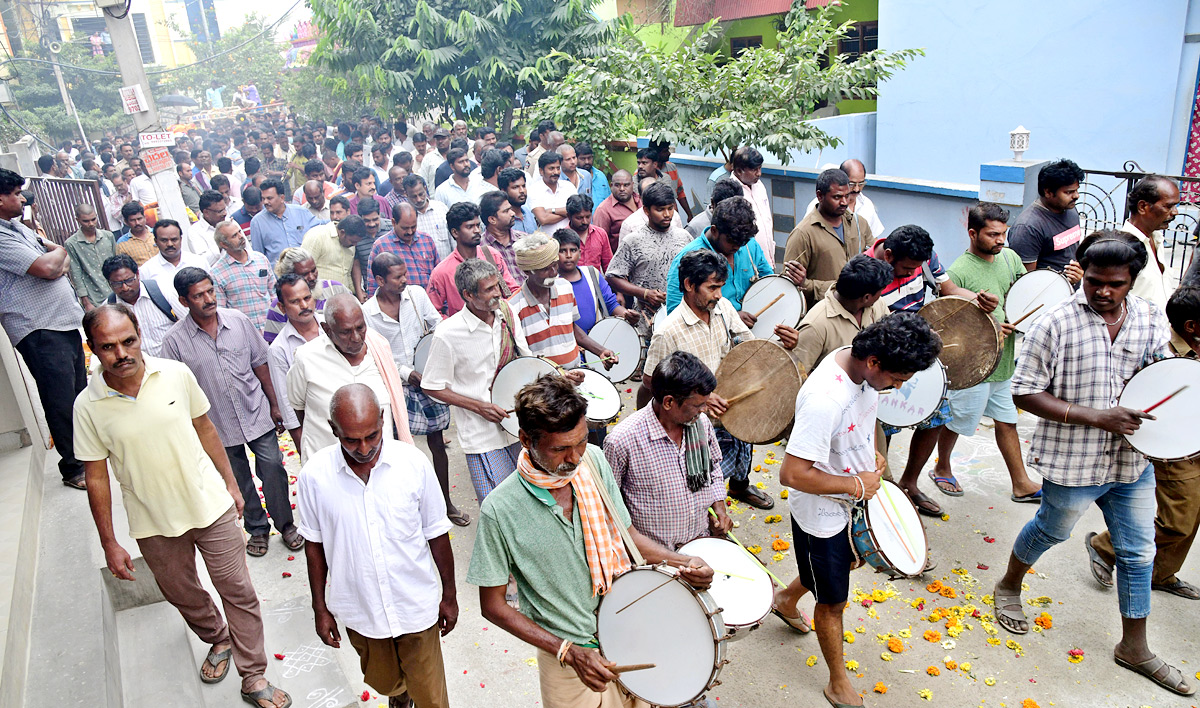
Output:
x,y
1018,142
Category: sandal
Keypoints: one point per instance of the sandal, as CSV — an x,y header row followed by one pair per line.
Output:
x,y
835,704
800,624
267,693
1005,615
401,701
214,660
1101,571
1182,588
79,482
292,538
459,518
1172,680
1035,498
939,481
924,504
257,546
752,496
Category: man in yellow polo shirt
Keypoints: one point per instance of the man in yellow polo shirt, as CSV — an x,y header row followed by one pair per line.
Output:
x,y
179,494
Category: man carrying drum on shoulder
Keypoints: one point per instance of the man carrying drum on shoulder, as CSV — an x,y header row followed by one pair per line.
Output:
x,y
988,265
1074,363
831,460
553,527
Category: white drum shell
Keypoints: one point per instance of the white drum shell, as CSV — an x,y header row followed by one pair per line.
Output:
x,y
788,311
745,600
917,400
900,517
1039,287
421,352
603,399
511,378
621,337
1172,434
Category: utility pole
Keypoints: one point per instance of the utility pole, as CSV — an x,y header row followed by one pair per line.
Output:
x,y
62,89
133,73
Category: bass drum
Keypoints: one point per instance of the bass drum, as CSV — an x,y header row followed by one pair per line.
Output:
x,y
621,337
511,378
421,352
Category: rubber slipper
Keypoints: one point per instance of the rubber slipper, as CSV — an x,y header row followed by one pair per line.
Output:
x,y
459,518
1182,588
920,499
267,694
1035,498
1095,560
800,624
214,660
939,481
1001,602
835,704
755,498
1171,681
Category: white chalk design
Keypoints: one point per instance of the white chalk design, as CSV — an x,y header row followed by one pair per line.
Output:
x,y
304,659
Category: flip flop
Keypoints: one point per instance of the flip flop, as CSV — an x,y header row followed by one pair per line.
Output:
x,y
800,624
214,660
1035,498
267,694
1150,668
835,704
939,481
1095,560
920,499
1182,588
459,518
1001,602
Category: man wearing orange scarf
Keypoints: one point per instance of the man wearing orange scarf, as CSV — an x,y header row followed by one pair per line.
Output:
x,y
547,526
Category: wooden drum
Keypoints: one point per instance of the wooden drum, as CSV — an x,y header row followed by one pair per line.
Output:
x,y
760,381
971,341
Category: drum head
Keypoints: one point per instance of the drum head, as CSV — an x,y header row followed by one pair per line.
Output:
x,y
971,342
789,310
603,398
765,415
741,588
618,335
666,627
421,353
897,530
511,378
916,401
1039,287
1172,433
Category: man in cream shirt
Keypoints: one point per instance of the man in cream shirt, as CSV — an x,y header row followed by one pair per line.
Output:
x,y
1153,203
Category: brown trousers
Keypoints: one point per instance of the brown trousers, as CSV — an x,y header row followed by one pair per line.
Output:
x,y
1177,490
223,548
561,688
410,663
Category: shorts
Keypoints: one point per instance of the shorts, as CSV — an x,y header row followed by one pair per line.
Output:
x,y
970,404
824,564
425,415
940,417
410,663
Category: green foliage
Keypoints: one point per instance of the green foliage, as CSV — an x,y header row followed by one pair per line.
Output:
x,y
39,105
461,57
711,102
259,62
315,96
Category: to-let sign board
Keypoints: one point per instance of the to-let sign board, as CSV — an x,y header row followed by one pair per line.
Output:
x,y
150,140
157,160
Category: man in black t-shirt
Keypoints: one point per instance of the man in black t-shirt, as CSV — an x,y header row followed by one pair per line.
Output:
x,y
1046,233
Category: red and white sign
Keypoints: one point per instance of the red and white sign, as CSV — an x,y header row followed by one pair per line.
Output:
x,y
157,160
133,100
150,140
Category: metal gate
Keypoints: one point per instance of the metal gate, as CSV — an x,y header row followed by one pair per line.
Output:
x,y
56,199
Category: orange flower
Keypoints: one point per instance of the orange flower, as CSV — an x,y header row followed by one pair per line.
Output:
x,y
1044,620
1029,703
951,664
951,621
933,671
935,586
880,687
932,635
895,646
948,591
780,545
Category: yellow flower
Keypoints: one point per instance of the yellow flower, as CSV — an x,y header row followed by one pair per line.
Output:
x,y
872,613
783,494
1044,620
852,665
886,656
848,637
758,468
811,661
777,557
954,631
1012,644
754,549
965,666
933,671
761,485
932,635
1078,659
906,632
880,687
994,641
990,681
860,630
926,694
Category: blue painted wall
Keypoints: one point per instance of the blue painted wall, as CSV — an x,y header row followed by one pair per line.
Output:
x,y
1098,82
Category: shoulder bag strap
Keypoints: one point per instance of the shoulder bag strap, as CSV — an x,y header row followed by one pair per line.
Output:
x,y
159,300
634,554
593,277
927,274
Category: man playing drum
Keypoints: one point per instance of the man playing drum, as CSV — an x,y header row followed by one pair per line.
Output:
x,y
666,459
827,236
1177,483
707,325
552,529
1075,360
915,268
831,461
988,265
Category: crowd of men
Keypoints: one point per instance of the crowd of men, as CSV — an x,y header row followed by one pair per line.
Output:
x,y
321,261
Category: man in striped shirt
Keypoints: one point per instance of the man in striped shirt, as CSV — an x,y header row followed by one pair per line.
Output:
x,y
242,277
545,305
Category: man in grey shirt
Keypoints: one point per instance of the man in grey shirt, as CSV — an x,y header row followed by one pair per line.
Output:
x,y
41,317
722,190
88,248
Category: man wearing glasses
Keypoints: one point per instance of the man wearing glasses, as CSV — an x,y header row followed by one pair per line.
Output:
x,y
860,204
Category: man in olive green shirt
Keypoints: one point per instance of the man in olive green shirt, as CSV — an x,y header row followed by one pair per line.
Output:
x,y
988,265
88,248
828,236
849,305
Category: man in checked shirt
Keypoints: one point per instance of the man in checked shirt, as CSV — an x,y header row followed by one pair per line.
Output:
x,y
1075,362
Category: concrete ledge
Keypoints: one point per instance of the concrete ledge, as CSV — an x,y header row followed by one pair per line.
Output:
x,y
22,479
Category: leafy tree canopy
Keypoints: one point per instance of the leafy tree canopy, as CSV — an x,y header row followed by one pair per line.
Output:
x,y
254,60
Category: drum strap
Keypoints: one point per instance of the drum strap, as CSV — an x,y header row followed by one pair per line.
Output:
x,y
505,291
593,277
634,554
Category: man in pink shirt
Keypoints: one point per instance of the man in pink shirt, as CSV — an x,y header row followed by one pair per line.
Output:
x,y
617,207
462,220
594,249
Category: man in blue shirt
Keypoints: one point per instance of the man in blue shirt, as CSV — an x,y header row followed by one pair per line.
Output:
x,y
280,224
587,163
512,182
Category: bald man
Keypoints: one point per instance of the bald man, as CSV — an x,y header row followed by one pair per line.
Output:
x,y
617,207
368,551
315,201
347,353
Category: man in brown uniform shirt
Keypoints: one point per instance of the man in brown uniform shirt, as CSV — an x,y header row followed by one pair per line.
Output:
x,y
828,236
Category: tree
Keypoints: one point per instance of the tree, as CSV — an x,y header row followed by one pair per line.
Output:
x,y
711,102
314,96
461,57
255,59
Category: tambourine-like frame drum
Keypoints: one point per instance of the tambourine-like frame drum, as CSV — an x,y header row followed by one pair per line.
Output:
x,y
1172,435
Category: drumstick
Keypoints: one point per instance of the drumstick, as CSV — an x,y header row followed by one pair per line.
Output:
x,y
756,560
1178,391
766,307
742,395
888,514
956,310
631,667
643,595
731,575
1025,316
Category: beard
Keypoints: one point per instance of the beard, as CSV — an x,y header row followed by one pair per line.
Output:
x,y
563,470
363,459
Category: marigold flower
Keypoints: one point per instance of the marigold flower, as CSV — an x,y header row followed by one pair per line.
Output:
x,y
926,694
780,545
1044,620
886,656
811,661
994,641
783,494
934,587
895,646
852,665
1029,703
880,687
906,632
965,666
933,671
848,637
990,681
948,591
932,635
951,664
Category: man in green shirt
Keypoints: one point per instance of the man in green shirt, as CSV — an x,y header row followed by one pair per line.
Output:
x,y
88,248
549,529
988,265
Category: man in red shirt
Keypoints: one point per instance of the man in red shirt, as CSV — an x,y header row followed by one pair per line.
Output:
x,y
619,205
594,249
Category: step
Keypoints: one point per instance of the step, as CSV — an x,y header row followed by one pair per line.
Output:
x,y
157,667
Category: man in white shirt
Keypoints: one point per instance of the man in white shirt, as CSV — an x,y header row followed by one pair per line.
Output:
x,y
154,311
436,155
831,459
403,314
1153,204
201,239
378,535
548,194
747,169
303,325
456,189
860,204
170,257
141,186
431,214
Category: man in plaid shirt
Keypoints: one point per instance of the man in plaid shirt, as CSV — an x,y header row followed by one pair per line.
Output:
x,y
405,240
1075,362
242,277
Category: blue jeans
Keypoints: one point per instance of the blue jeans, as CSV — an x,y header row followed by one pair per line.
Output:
x,y
1129,513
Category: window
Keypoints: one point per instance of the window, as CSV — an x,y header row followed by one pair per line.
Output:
x,y
862,37
737,45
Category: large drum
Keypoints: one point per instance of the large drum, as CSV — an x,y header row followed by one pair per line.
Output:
x,y
917,400
603,399
760,381
511,378
888,533
740,585
1035,292
971,341
621,337
1172,434
421,352
784,303
650,616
